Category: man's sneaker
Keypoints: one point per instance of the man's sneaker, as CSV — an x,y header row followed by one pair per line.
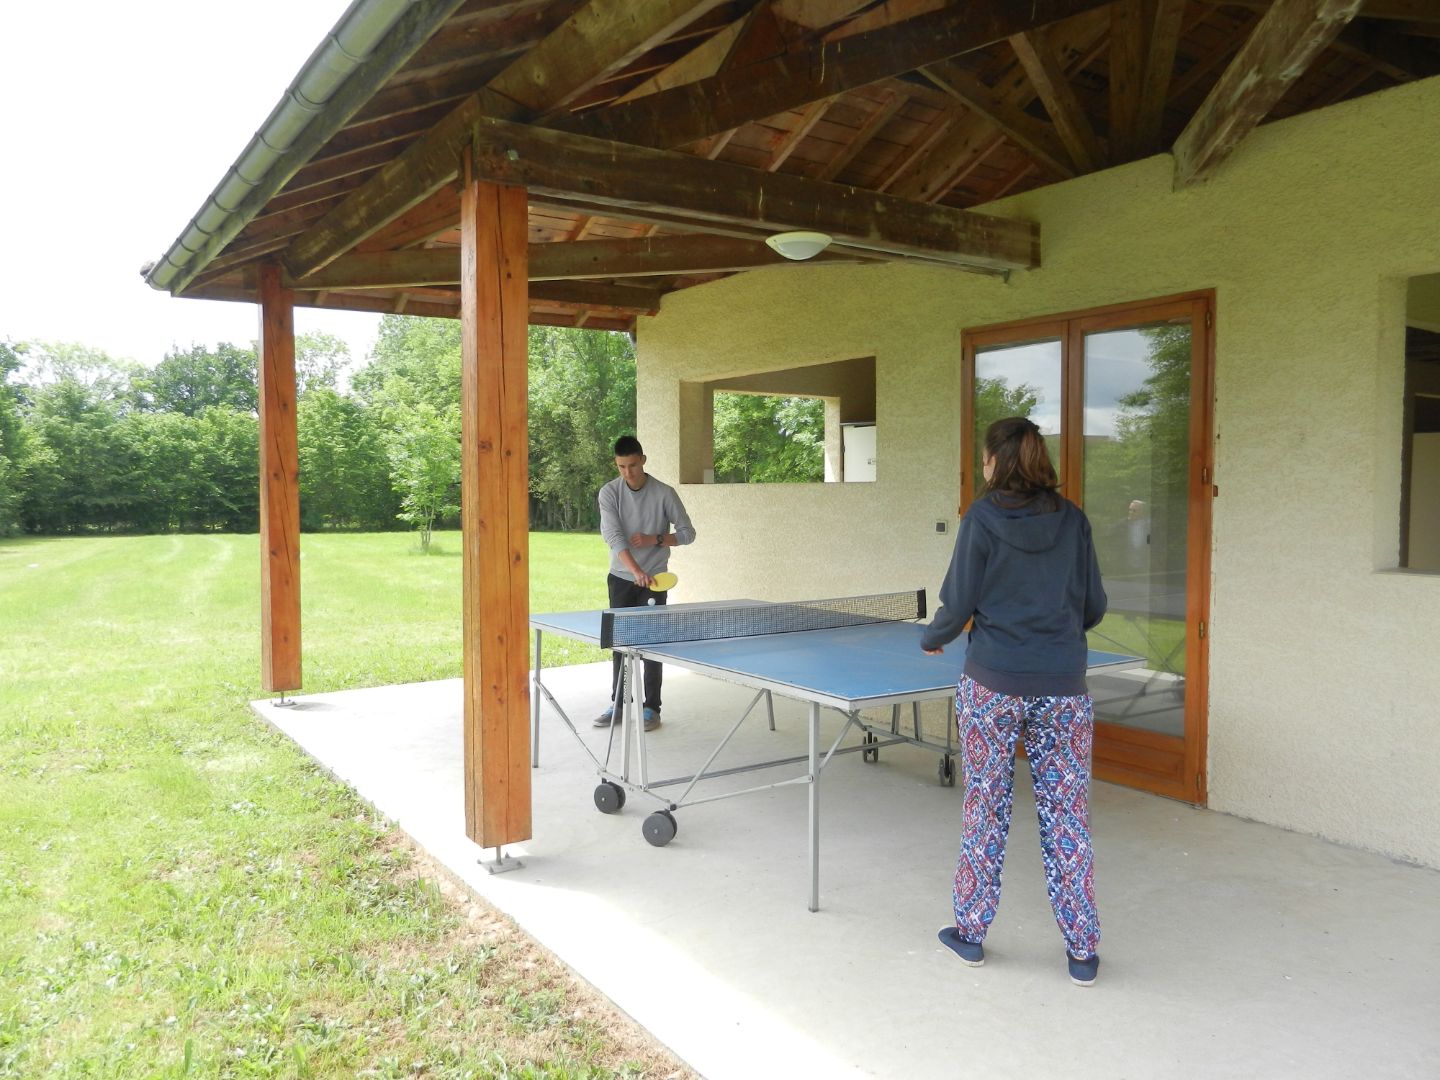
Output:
x,y
606,718
652,719
970,952
1083,972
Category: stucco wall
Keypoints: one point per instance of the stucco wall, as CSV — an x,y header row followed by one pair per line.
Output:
x,y
1325,685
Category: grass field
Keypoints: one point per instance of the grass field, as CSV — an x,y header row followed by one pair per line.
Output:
x,y
183,894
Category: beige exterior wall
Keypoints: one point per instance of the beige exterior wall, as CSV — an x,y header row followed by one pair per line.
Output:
x,y
1324,711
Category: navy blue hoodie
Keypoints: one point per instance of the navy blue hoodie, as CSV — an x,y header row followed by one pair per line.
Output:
x,y
1031,581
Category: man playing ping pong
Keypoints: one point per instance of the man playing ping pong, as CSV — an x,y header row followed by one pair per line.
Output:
x,y
636,515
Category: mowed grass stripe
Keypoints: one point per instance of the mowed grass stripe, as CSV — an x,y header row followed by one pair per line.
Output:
x,y
183,893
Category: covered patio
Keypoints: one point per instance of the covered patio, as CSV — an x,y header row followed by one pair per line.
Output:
x,y
1231,949
988,175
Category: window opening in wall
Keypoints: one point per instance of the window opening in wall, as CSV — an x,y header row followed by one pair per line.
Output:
x,y
1420,451
762,439
799,425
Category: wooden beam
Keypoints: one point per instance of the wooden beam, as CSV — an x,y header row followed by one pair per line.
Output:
x,y
1281,47
566,264
602,37
741,95
612,174
629,298
494,513
1053,88
886,14
656,256
1164,24
539,79
816,14
1036,138
279,489
811,116
1418,11
1127,75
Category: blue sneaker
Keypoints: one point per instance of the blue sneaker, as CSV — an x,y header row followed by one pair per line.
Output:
x,y
970,952
652,719
606,718
1082,972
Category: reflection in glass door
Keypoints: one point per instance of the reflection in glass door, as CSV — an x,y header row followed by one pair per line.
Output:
x,y
1123,397
1136,494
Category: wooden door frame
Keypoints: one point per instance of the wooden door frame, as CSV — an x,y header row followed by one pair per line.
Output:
x,y
1126,755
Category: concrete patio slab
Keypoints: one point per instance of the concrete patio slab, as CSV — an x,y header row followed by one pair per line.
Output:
x,y
1231,949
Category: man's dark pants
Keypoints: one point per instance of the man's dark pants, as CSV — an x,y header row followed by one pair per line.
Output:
x,y
625,593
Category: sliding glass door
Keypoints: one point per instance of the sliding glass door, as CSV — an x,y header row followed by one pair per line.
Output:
x,y
1123,397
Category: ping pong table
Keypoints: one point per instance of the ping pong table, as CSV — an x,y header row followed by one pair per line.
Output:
x,y
848,655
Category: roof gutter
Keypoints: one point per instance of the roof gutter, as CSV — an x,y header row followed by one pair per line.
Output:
x,y
372,40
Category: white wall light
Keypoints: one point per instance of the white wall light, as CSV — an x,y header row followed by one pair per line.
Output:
x,y
798,245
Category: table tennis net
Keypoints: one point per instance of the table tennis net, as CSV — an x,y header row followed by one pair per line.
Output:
x,y
660,625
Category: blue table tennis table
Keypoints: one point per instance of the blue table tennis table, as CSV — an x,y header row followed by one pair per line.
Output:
x,y
858,665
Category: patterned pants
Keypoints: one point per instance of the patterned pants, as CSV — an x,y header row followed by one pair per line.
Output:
x,y
1058,732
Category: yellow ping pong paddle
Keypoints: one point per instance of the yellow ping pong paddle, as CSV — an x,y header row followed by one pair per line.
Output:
x,y
664,581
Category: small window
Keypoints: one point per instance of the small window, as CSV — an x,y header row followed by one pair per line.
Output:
x,y
1420,453
801,425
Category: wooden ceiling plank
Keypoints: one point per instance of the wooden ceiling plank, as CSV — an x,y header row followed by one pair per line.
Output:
x,y
1287,38
808,119
436,215
1053,88
1036,138
917,148
892,103
612,174
684,114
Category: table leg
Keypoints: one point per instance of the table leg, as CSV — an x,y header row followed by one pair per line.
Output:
x,y
814,807
535,708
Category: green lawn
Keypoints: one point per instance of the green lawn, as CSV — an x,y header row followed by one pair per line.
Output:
x,y
183,894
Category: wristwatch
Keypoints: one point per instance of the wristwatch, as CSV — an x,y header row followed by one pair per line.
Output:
x,y
659,539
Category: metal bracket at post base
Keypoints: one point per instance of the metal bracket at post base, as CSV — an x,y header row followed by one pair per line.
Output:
x,y
501,864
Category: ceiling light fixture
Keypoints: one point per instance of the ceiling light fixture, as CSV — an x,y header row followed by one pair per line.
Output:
x,y
798,245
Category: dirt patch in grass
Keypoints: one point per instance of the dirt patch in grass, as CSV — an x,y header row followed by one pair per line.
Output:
x,y
544,1008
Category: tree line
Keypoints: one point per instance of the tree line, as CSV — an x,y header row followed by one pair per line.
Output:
x,y
89,443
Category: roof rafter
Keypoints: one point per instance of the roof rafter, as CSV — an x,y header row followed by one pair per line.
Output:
x,y
1289,36
1052,86
686,113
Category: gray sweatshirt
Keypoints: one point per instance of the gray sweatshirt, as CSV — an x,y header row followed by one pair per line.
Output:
x,y
651,510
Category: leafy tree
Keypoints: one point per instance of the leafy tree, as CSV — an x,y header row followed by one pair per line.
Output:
x,y
424,452
762,439
77,478
581,399
344,471
200,378
14,442
319,359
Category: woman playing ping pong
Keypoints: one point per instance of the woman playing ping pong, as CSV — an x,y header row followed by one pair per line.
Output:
x,y
1024,570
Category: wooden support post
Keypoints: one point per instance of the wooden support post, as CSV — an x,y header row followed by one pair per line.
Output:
x,y
494,509
279,488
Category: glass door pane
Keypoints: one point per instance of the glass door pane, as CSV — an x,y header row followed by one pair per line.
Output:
x,y
1017,380
1136,494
